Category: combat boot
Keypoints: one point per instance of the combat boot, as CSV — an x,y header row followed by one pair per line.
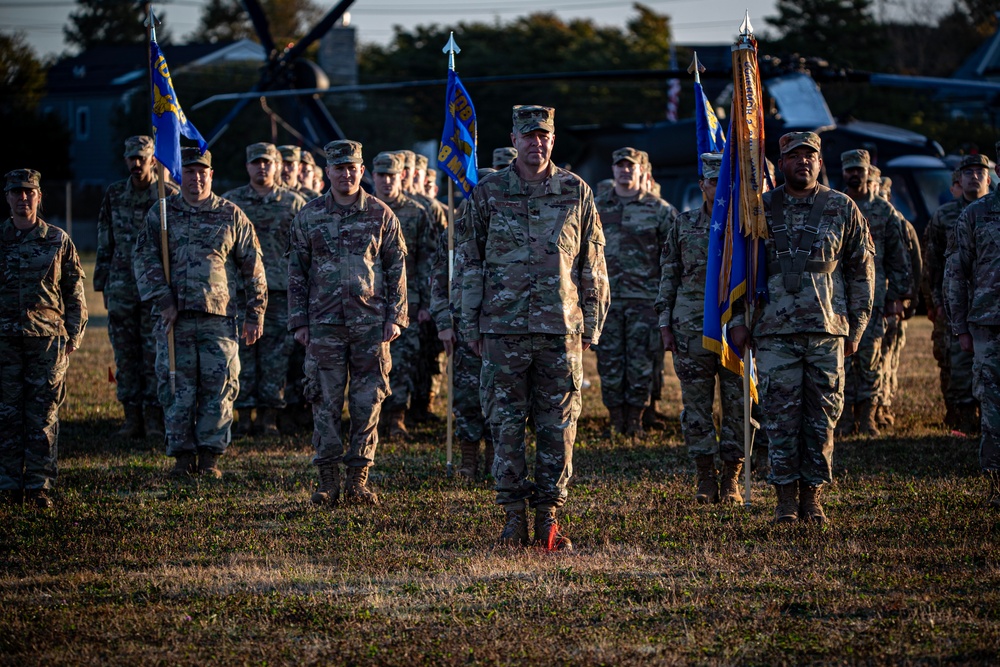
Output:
x,y
729,489
328,492
845,425
267,422
242,420
208,463
470,460
185,464
633,421
488,455
809,508
132,428
884,417
787,510
152,417
616,420
652,419
993,493
864,415
393,422
708,483
547,533
968,418
356,489
38,498
515,529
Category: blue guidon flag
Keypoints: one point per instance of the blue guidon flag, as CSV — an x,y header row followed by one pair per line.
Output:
x,y
169,121
457,156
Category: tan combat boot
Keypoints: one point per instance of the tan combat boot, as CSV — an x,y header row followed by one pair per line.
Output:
x,y
708,484
884,417
488,455
547,533
267,422
864,415
185,465
356,491
242,421
208,464
729,490
809,508
328,492
633,421
132,428
393,423
515,528
152,418
616,420
993,494
787,510
470,460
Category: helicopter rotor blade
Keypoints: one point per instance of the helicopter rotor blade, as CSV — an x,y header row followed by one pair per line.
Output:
x,y
318,30
261,25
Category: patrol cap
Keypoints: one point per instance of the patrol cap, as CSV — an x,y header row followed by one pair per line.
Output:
x,y
503,156
977,160
409,158
531,117
711,165
308,158
388,162
290,153
432,172
856,158
483,172
421,162
793,140
193,155
140,145
886,182
22,179
627,153
343,151
262,150
874,175
644,156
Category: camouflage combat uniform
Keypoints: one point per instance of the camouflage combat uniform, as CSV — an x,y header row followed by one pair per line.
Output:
x,y
210,244
681,305
635,229
130,321
42,311
346,280
429,358
264,365
895,334
972,298
534,281
798,335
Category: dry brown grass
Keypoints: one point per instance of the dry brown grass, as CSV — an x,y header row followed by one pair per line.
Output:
x,y
131,568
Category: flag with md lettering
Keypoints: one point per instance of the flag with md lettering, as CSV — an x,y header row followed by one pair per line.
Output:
x,y
169,121
457,156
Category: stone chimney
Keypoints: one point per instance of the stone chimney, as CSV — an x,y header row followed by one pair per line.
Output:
x,y
338,54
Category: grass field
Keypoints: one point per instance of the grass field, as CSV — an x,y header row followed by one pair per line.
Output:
x,y
131,568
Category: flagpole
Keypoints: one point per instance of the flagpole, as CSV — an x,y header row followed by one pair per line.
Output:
x,y
451,48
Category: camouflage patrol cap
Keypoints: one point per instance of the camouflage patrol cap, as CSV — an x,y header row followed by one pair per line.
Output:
x,y
308,158
262,150
793,140
530,117
627,153
409,158
22,179
388,162
483,172
503,156
193,155
646,164
140,145
432,172
856,158
977,160
290,153
421,162
886,182
343,151
874,175
711,165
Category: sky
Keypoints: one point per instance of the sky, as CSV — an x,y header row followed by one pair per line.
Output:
x,y
692,21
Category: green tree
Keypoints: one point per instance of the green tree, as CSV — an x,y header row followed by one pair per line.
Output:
x,y
844,32
22,75
227,20
103,22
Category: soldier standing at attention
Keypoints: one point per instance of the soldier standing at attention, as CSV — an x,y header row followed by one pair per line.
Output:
x,y
955,361
130,321
892,285
211,245
291,170
431,183
503,156
534,297
415,225
264,366
636,225
821,279
972,298
43,315
681,305
346,303
307,169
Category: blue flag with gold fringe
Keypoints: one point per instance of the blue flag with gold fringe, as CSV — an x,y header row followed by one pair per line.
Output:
x,y
457,155
169,121
708,130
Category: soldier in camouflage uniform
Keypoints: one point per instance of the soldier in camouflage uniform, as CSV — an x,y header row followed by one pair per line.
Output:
x,y
130,322
972,303
264,366
430,183
820,302
895,335
209,243
346,303
863,370
415,224
956,363
636,225
43,315
681,308
291,171
307,169
503,156
534,297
